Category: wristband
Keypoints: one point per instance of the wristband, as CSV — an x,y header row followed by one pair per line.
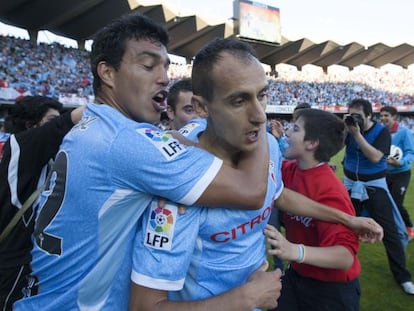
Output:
x,y
301,257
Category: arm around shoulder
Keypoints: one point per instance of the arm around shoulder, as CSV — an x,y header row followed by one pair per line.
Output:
x,y
76,114
243,186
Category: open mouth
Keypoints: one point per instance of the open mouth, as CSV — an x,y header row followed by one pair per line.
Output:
x,y
252,134
160,97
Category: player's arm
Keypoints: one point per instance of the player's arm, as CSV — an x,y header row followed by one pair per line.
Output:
x,y
76,114
245,185
261,291
331,257
367,228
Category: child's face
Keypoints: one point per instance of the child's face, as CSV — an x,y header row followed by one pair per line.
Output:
x,y
295,138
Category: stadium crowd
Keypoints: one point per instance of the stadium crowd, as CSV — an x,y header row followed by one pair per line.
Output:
x,y
57,71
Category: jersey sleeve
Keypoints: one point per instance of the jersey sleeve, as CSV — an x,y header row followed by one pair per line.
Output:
x,y
153,162
164,246
275,165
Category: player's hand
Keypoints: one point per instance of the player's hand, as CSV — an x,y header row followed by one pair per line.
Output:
x,y
264,287
276,128
181,208
369,231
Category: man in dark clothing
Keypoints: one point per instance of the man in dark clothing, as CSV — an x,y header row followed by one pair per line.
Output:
x,y
365,167
37,130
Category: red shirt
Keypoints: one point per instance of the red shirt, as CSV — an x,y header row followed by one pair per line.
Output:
x,y
322,185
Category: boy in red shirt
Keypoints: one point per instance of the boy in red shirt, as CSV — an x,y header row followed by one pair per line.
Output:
x,y
324,267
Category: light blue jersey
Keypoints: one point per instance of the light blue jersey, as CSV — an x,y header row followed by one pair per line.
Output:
x,y
105,175
193,128
205,251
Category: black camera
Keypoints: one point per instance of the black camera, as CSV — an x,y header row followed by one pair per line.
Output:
x,y
353,119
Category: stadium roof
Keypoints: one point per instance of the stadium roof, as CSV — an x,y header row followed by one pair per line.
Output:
x,y
80,19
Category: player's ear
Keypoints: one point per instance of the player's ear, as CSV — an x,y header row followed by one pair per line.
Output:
x,y
200,106
106,73
170,113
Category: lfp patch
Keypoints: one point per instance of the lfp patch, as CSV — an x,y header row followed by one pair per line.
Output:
x,y
188,128
160,226
164,142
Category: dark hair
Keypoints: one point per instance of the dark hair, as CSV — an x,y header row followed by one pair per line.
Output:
x,y
183,85
28,111
324,127
109,43
361,103
390,109
209,55
302,106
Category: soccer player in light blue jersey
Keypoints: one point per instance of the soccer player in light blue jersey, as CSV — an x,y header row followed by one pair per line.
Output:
x,y
199,260
110,167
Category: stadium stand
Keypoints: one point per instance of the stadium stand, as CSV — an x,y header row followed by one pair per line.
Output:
x,y
79,19
63,73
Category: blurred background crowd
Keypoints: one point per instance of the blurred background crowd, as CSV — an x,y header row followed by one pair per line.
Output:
x,y
27,68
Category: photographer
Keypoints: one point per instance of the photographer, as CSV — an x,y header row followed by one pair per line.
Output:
x,y
365,167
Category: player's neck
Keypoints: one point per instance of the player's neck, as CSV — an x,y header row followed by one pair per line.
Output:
x,y
219,148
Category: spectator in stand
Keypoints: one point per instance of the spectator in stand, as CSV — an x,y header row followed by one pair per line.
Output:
x,y
37,130
365,167
3,83
399,165
65,69
180,109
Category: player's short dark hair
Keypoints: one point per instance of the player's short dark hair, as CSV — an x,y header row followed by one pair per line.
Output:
x,y
390,109
209,55
28,111
109,43
183,85
325,127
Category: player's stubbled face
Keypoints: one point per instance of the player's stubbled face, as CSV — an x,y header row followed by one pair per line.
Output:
x,y
237,111
140,84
